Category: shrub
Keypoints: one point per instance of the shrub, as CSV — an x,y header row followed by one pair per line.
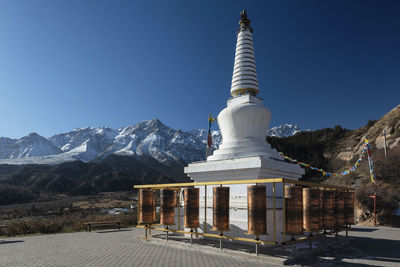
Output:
x,y
386,202
387,174
371,123
310,147
388,169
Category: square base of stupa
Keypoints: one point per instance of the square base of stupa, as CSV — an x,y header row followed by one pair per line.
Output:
x,y
246,168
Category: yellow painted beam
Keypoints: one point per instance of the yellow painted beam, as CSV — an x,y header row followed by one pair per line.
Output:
x,y
209,235
290,181
253,181
232,182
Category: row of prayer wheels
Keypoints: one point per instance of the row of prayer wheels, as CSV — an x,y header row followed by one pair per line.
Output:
x,y
256,199
308,209
312,209
169,200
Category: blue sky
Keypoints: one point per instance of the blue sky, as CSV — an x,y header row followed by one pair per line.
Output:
x,y
70,64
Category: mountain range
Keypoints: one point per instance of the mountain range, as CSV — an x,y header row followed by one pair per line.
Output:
x,y
148,138
92,160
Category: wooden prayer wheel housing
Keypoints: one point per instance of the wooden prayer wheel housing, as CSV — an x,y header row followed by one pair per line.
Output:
x,y
221,209
191,218
293,210
257,209
167,207
349,208
328,209
340,203
147,206
311,209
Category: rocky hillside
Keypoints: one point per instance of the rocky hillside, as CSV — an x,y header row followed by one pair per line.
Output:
x,y
336,149
351,145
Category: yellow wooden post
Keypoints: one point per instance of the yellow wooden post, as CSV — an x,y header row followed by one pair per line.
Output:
x,y
274,211
179,209
284,211
205,209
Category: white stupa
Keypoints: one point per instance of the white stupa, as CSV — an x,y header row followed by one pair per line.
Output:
x,y
244,152
243,123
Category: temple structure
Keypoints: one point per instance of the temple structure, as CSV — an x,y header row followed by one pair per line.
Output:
x,y
244,152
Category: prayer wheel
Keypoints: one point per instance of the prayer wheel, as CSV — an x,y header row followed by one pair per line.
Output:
x,y
340,203
176,198
221,209
311,209
321,210
167,206
147,206
257,209
349,208
293,210
191,218
328,209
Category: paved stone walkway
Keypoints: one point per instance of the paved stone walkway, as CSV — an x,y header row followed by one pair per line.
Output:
x,y
366,246
113,248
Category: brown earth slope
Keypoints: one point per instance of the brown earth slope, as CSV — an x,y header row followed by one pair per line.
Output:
x,y
349,147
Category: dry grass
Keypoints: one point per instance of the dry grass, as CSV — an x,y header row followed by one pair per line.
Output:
x,y
102,203
64,213
60,224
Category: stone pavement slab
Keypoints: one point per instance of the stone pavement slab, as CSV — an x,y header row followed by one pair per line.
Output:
x,y
112,248
366,246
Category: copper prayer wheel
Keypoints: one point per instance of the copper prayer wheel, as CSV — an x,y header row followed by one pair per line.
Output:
x,y
176,198
221,209
349,208
293,210
191,218
147,206
340,203
311,209
328,209
257,209
167,206
321,210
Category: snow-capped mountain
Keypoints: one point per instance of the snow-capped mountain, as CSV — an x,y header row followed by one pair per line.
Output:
x,y
283,130
28,146
150,138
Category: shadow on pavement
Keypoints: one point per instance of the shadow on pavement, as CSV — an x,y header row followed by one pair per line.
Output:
x,y
357,251
367,230
111,231
250,248
354,251
10,242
